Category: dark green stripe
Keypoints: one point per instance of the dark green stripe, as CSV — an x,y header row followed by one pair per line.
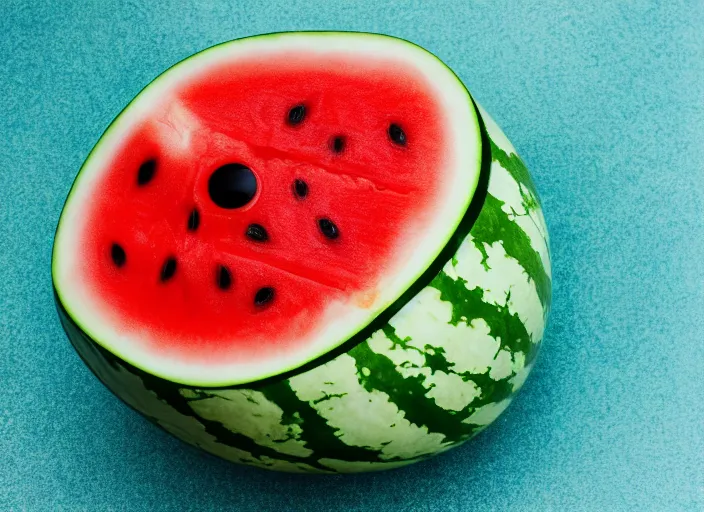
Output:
x,y
515,166
493,225
317,434
408,394
435,361
492,390
468,305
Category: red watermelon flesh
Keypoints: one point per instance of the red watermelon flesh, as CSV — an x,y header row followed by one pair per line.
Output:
x,y
350,157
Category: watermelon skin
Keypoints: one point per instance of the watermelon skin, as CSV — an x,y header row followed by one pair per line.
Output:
x,y
436,374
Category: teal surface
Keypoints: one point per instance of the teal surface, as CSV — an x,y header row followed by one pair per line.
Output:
x,y
606,105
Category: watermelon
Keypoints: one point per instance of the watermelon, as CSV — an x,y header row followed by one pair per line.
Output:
x,y
307,252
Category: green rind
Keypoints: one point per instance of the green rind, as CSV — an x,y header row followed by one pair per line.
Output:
x,y
517,168
408,394
468,305
317,434
497,227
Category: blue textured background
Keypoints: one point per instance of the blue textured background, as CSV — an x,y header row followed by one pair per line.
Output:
x,y
606,106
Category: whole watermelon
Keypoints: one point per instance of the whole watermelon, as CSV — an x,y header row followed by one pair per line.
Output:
x,y
307,252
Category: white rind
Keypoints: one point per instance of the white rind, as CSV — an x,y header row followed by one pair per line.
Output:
x,y
341,319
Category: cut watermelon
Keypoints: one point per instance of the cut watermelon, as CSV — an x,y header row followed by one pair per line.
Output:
x,y
259,205
272,212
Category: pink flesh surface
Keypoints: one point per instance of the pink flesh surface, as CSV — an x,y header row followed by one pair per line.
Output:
x,y
375,191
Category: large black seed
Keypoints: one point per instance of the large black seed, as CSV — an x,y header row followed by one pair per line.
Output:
x,y
328,229
232,186
397,135
264,296
300,188
337,144
117,253
193,220
296,115
223,277
168,269
257,233
146,172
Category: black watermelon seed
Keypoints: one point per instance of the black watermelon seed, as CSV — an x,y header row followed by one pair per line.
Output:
x,y
300,188
117,253
223,277
257,233
146,172
328,229
232,186
194,220
397,135
296,115
168,269
264,296
337,144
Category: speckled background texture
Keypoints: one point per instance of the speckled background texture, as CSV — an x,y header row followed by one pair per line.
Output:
x,y
606,105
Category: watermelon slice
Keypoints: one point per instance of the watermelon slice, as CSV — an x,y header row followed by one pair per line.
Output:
x,y
266,215
256,207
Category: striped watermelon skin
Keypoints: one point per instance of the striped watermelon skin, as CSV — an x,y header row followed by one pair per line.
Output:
x,y
440,371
